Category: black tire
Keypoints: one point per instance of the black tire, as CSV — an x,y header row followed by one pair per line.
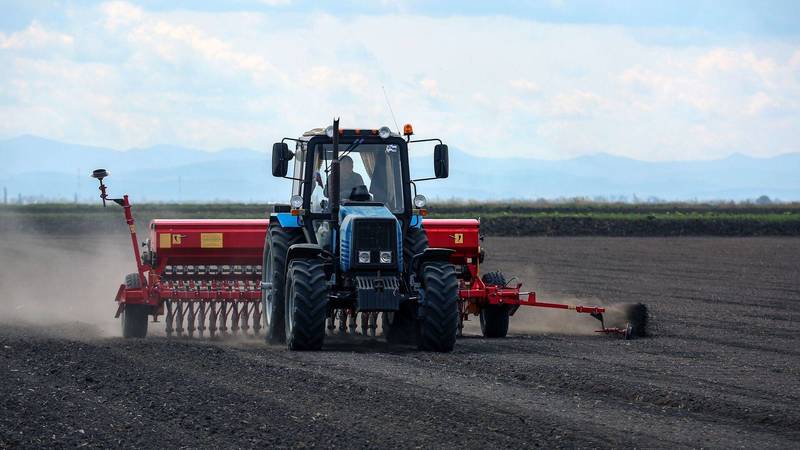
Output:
x,y
273,268
494,321
438,321
134,317
306,304
414,242
494,318
494,278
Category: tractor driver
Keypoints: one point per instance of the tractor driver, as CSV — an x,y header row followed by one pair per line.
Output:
x,y
348,179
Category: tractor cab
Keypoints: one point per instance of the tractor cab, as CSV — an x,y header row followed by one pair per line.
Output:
x,y
354,216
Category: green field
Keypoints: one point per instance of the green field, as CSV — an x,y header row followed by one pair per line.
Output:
x,y
497,218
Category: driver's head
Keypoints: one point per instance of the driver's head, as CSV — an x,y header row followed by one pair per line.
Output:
x,y
346,166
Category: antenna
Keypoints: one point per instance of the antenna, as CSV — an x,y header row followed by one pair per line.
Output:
x,y
386,96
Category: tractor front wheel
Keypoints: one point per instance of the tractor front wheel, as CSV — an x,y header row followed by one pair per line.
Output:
x,y
438,321
306,304
134,317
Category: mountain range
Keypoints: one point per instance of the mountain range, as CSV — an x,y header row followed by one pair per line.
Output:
x,y
38,169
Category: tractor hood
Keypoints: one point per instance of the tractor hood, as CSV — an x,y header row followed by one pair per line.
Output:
x,y
369,210
369,228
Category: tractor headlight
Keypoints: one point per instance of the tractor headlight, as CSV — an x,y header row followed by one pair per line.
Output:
x,y
296,202
363,257
384,132
329,131
420,201
386,257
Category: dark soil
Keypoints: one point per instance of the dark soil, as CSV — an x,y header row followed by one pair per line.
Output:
x,y
720,368
641,226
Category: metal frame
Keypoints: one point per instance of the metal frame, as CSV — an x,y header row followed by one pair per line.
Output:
x,y
474,294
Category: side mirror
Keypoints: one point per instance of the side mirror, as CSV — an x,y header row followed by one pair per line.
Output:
x,y
441,162
280,159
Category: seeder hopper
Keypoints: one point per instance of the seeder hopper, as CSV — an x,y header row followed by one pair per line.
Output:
x,y
344,252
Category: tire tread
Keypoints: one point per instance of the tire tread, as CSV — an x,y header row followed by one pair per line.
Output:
x,y
309,282
278,241
439,319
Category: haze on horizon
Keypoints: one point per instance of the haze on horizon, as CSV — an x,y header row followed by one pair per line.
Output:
x,y
554,79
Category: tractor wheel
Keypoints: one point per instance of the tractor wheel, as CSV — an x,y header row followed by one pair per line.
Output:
x,y
494,318
273,301
438,322
414,242
306,304
134,317
494,321
494,278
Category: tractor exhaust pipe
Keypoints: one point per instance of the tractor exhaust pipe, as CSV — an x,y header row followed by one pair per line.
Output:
x,y
334,177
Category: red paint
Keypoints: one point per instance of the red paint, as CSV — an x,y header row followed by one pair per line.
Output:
x,y
240,242
473,293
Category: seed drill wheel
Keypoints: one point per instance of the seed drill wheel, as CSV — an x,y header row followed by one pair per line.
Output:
x,y
273,300
494,318
306,304
438,321
134,317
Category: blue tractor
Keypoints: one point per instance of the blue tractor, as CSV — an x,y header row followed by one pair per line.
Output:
x,y
350,243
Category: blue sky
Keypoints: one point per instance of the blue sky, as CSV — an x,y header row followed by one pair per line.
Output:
x,y
551,79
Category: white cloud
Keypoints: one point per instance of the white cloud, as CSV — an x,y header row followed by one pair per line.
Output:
x,y
795,60
728,60
275,2
759,103
35,36
524,85
120,14
575,104
172,41
430,87
499,85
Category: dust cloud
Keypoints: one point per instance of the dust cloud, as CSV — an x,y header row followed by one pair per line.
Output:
x,y
63,284
529,320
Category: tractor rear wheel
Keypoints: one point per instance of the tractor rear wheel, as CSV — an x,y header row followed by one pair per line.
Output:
x,y
134,317
273,299
438,321
306,304
494,318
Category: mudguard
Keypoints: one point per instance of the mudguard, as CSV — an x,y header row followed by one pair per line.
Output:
x,y
304,251
285,219
430,254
